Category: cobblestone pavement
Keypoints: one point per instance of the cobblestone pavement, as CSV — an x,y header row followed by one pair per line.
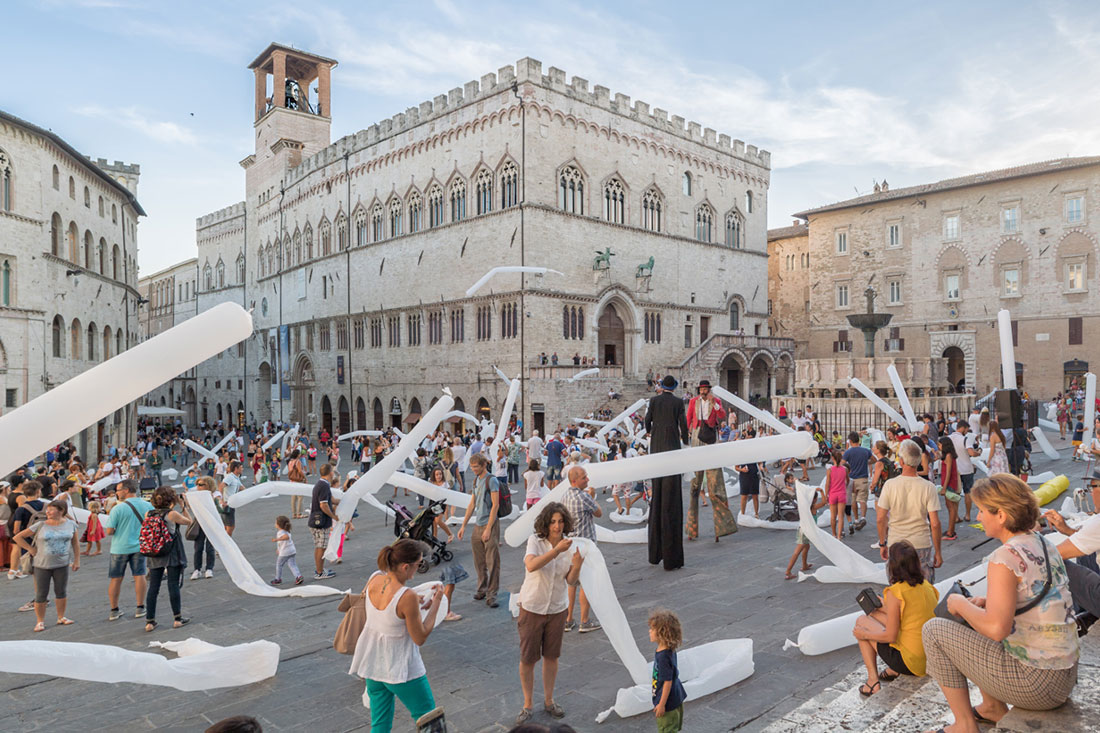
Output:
x,y
730,589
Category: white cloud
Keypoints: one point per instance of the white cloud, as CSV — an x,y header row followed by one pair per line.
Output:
x,y
131,117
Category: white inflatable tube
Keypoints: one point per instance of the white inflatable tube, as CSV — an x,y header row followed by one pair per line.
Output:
x,y
221,444
509,405
877,401
1008,357
1090,408
503,376
583,373
241,572
639,536
358,434
512,268
762,415
204,452
371,481
35,427
588,422
463,415
850,566
1041,439
1041,478
272,441
593,445
906,408
670,463
288,440
607,428
634,516
200,666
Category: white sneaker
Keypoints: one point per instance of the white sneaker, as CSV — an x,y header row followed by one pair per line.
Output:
x,y
16,575
208,574
196,575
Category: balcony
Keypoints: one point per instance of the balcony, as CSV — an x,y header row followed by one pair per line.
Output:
x,y
565,371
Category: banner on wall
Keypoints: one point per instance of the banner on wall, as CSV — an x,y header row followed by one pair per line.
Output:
x,y
284,362
276,369
339,369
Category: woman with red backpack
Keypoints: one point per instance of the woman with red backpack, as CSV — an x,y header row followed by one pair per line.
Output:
x,y
162,545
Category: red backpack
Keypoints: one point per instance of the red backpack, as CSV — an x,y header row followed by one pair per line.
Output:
x,y
155,540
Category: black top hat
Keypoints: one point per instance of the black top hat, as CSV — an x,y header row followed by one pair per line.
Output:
x,y
704,383
669,382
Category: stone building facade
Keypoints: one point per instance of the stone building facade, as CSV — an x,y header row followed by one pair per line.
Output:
x,y
357,254
944,258
68,269
789,284
169,298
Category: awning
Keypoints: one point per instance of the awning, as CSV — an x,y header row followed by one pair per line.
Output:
x,y
152,411
412,417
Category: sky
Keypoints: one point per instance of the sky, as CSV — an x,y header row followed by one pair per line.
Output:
x,y
843,94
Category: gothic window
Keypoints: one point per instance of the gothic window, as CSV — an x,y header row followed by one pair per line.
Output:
x,y
240,269
435,206
56,179
342,334
375,333
653,328
102,256
74,339
651,210
376,223
207,278
484,322
565,321
735,316
118,341
114,214
55,235
416,220
87,198
571,190
297,248
458,200
687,183
414,329
362,235
357,333
614,202
572,322
5,284
307,241
6,182
435,327
734,228
71,240
484,191
89,248
342,232
395,331
396,229
324,336
106,343
221,273
704,223
58,330
326,238
509,185
101,206
748,202
93,334
259,263
509,325
458,325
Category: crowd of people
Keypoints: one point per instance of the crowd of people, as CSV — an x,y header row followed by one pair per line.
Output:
x,y
1019,642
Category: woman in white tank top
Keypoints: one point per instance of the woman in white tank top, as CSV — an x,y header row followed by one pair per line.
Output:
x,y
387,654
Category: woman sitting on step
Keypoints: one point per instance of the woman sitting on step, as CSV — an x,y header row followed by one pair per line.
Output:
x,y
893,632
1019,643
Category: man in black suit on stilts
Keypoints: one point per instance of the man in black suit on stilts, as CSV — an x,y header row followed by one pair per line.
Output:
x,y
666,422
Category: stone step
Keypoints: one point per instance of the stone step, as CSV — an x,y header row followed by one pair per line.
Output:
x,y
917,704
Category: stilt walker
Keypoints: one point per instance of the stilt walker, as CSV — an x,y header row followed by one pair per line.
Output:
x,y
666,423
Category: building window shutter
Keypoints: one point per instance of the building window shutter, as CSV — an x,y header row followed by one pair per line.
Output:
x,y
1076,331
836,346
1015,333
901,344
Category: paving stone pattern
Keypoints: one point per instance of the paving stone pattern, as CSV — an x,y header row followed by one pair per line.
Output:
x,y
730,589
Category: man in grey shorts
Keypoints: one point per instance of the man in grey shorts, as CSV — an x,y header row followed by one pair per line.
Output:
x,y
909,509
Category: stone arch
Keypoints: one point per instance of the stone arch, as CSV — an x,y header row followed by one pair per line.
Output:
x,y
344,413
733,370
483,409
760,376
415,412
1075,246
379,415
613,338
360,414
784,373
301,389
1010,251
941,342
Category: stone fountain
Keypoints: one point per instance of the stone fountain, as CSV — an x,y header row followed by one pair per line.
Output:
x,y
869,322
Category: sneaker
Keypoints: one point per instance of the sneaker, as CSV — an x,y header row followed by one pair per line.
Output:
x,y
28,606
861,524
140,612
851,528
479,596
555,710
196,575
432,722
452,616
324,575
16,575
492,603
589,626
208,574
276,582
298,580
114,615
570,626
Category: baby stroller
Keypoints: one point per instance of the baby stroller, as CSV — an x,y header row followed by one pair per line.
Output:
x,y
419,527
784,504
824,452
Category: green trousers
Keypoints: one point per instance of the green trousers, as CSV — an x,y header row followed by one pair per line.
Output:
x,y
415,694
671,722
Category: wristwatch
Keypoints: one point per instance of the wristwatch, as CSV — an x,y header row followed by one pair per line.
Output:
x,y
882,544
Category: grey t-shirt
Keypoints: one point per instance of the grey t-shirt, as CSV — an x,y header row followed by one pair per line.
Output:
x,y
53,545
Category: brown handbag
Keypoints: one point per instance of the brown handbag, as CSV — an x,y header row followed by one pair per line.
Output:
x,y
354,609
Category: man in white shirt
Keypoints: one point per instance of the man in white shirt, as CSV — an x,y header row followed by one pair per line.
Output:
x,y
975,420
1081,546
965,448
908,509
534,447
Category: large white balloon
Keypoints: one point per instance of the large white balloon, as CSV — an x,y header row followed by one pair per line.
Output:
x,y
610,425
906,407
877,401
1008,358
45,421
848,565
765,417
200,666
506,413
1090,408
1041,439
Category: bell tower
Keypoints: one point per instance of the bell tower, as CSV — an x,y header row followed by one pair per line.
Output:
x,y
292,112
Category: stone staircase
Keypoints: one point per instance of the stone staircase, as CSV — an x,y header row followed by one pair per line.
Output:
x,y
909,705
703,363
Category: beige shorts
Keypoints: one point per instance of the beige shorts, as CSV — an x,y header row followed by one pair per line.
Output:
x,y
859,489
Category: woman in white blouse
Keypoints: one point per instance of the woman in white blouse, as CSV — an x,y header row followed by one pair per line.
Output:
x,y
542,604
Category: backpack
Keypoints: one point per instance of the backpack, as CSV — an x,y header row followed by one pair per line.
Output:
x,y
504,508
154,540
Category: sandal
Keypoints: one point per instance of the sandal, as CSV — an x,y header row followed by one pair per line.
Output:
x,y
982,720
789,576
65,621
868,691
951,536
180,622
888,675
150,625
40,626
808,566
524,716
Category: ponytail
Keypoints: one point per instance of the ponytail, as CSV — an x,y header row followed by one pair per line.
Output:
x,y
401,552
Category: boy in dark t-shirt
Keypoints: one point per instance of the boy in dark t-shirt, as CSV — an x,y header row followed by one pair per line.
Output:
x,y
668,692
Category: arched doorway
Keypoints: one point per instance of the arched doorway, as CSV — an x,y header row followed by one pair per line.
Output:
x,y
459,423
759,380
263,396
731,373
220,417
956,367
414,412
240,413
379,418
326,414
483,409
611,338
190,409
301,388
345,415
360,414
395,413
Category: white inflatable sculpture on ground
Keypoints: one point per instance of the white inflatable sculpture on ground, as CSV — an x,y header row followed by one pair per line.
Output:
x,y
200,666
765,417
1044,444
848,565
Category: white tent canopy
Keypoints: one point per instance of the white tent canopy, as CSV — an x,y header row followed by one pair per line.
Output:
x,y
153,411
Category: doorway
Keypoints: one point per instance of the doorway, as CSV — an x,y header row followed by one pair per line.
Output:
x,y
956,367
611,336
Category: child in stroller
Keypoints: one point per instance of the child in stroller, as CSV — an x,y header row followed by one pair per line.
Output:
x,y
784,504
419,527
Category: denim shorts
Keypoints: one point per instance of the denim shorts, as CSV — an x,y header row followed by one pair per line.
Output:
x,y
967,481
117,568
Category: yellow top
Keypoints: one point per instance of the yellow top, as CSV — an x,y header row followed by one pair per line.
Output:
x,y
918,604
